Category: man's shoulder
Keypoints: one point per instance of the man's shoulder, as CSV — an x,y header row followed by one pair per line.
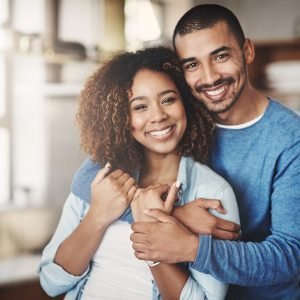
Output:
x,y
82,180
284,118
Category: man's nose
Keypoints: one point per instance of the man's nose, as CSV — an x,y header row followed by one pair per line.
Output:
x,y
209,74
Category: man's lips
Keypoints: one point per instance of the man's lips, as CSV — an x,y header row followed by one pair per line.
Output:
x,y
216,87
216,91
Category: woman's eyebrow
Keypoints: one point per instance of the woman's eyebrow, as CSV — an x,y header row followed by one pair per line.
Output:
x,y
159,94
166,92
136,98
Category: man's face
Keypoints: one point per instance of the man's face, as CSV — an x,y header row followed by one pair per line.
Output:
x,y
214,66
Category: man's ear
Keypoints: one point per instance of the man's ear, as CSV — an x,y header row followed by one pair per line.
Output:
x,y
249,51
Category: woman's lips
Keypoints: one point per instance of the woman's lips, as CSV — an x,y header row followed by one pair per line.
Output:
x,y
161,133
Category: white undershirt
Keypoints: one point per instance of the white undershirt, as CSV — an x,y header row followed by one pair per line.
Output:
x,y
241,126
116,273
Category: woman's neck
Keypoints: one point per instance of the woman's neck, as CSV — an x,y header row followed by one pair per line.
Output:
x,y
159,169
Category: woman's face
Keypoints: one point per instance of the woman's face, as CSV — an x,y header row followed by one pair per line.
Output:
x,y
157,115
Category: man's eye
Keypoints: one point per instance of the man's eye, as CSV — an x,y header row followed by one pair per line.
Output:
x,y
190,66
221,57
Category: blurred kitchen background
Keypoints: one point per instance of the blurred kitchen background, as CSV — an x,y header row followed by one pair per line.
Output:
x,y
47,49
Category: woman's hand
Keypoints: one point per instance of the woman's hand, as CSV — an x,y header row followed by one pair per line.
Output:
x,y
111,195
152,197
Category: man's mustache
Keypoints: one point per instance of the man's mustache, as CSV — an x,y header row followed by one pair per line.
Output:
x,y
227,80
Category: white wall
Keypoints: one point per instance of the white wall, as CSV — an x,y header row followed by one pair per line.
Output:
x,y
265,19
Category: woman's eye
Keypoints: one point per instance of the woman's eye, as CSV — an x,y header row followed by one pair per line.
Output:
x,y
169,100
140,107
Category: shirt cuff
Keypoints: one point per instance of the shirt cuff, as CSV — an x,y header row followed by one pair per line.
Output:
x,y
203,253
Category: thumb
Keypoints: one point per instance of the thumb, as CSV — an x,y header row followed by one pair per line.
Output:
x,y
159,215
101,174
172,196
213,204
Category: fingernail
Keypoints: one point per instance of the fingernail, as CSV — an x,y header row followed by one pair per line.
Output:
x,y
108,166
146,211
177,184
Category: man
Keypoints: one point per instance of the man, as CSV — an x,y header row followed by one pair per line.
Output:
x,y
257,149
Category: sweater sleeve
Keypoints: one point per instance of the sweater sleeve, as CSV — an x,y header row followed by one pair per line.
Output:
x,y
274,260
204,286
53,278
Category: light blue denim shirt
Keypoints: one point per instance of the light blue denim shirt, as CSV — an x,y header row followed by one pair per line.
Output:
x,y
197,180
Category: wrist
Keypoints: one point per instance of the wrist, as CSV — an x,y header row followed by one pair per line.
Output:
x,y
96,221
176,212
193,248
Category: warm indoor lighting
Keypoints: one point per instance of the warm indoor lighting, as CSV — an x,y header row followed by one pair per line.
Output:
x,y
2,88
141,23
4,166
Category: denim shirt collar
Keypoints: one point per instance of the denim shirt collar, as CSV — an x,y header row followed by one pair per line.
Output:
x,y
81,184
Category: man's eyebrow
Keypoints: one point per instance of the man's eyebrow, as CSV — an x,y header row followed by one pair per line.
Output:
x,y
223,48
186,60
190,59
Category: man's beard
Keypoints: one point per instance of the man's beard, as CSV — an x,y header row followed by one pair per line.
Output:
x,y
228,80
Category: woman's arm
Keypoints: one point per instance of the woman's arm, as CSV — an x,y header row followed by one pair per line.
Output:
x,y
66,258
110,198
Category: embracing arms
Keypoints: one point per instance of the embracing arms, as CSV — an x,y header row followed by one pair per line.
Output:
x,y
273,260
151,239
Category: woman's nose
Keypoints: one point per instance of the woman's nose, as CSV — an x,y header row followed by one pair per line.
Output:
x,y
158,114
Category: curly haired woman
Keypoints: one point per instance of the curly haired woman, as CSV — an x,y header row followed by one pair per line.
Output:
x,y
137,114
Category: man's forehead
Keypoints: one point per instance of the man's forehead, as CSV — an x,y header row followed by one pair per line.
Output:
x,y
204,41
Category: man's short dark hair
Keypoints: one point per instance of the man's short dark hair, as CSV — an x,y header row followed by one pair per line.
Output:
x,y
206,16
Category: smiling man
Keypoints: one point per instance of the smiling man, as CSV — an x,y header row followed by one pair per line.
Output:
x,y
257,149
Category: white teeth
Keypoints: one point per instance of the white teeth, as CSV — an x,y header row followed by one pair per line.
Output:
x,y
160,132
216,92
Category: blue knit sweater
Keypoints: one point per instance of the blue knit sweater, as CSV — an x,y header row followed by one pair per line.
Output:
x,y
262,163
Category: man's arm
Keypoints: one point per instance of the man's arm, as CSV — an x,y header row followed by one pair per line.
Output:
x,y
274,260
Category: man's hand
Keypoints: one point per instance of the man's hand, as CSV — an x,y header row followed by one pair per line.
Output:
x,y
197,218
165,241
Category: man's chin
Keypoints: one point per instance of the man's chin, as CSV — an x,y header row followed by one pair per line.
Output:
x,y
217,108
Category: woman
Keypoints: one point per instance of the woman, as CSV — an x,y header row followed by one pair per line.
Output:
x,y
132,115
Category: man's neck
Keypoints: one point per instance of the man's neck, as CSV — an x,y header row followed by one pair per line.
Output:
x,y
249,106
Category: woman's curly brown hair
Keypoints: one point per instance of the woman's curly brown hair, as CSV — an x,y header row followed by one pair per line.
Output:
x,y
103,114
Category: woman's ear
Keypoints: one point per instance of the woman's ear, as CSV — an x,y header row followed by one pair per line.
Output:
x,y
249,51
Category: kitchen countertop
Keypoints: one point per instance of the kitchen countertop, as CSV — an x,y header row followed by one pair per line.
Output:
x,y
18,269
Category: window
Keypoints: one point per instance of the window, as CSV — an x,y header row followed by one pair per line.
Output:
x,y
4,113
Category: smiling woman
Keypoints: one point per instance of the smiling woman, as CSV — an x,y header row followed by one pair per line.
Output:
x,y
157,115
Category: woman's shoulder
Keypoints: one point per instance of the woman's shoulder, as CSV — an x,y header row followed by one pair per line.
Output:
x,y
204,178
82,180
208,174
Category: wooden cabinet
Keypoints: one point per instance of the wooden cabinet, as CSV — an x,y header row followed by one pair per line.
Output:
x,y
26,290
268,52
